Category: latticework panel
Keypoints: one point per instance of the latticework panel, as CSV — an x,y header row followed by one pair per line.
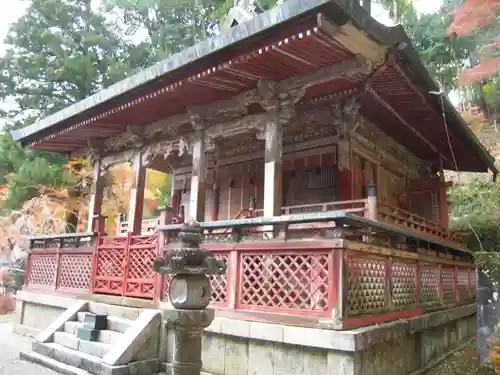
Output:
x,y
219,283
286,281
74,271
110,262
463,284
366,287
429,284
448,285
111,255
43,269
404,284
141,276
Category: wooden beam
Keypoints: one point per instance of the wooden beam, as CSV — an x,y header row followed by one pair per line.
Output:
x,y
330,73
353,39
399,117
241,101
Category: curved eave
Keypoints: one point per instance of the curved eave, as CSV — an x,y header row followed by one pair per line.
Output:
x,y
267,26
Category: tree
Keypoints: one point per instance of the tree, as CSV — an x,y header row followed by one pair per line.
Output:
x,y
25,171
171,26
61,51
480,18
443,56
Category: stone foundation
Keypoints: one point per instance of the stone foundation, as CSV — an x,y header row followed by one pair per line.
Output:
x,y
238,347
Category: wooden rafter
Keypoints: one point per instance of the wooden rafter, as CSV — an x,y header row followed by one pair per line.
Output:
x,y
387,106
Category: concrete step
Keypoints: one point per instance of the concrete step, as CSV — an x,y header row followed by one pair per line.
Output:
x,y
78,359
52,364
93,364
96,349
114,310
114,323
106,336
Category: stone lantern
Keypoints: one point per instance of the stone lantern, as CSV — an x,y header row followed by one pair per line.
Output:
x,y
189,292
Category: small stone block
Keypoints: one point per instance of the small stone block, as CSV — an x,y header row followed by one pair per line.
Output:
x,y
87,334
95,321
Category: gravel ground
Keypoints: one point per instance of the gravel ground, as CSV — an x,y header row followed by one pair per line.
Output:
x,y
463,362
10,346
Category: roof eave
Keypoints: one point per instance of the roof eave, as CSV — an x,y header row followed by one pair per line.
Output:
x,y
390,36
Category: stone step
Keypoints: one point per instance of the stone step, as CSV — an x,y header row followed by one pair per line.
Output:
x,y
114,310
93,364
106,336
52,364
114,323
96,349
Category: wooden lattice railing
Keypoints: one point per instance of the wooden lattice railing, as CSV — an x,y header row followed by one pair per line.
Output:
x,y
355,274
400,217
385,213
61,262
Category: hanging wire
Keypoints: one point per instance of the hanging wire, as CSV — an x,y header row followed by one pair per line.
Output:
x,y
440,93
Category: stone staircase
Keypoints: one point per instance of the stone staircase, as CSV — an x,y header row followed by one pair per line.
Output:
x,y
100,339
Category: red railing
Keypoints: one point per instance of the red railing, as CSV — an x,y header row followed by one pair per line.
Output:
x,y
349,282
61,263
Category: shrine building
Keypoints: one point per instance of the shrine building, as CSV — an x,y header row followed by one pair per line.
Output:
x,y
310,142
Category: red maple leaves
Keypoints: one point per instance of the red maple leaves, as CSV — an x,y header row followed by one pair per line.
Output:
x,y
473,15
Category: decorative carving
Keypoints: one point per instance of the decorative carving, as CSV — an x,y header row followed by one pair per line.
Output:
x,y
196,119
94,151
351,109
131,138
267,95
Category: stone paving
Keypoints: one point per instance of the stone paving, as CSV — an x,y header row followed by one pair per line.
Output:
x,y
10,346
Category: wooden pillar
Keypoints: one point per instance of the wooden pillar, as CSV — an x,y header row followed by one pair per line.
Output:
x,y
273,167
371,203
215,196
136,195
344,181
197,197
173,193
443,201
96,195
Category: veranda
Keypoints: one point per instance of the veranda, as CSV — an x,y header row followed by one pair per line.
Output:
x,y
310,155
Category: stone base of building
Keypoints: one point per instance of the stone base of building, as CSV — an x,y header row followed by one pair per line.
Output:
x,y
234,346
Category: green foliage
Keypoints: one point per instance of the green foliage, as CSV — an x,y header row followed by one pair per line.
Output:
x,y
476,211
26,170
443,56
171,26
396,8
61,52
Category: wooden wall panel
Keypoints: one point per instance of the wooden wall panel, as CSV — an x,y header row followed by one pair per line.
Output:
x,y
391,187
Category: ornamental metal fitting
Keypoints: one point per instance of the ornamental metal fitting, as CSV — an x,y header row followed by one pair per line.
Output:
x,y
189,258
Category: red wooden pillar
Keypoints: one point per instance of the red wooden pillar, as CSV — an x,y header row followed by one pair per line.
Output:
x,y
344,169
136,195
96,195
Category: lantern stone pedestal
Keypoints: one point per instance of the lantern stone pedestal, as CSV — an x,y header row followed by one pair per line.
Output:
x,y
189,293
188,326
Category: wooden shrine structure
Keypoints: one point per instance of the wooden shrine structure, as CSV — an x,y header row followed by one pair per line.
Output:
x,y
310,145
